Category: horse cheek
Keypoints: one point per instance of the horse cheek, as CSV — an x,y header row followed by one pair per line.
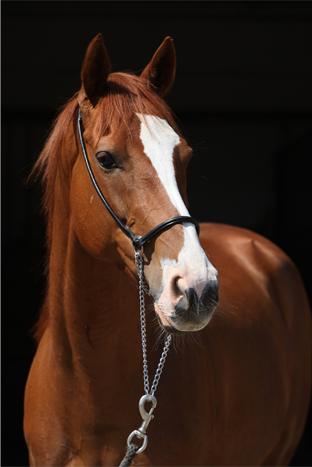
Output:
x,y
89,221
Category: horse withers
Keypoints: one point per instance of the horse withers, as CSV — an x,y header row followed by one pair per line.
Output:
x,y
241,396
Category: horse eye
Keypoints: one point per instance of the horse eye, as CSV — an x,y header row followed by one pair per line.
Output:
x,y
106,160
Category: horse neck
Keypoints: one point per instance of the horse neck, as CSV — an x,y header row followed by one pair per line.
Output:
x,y
93,306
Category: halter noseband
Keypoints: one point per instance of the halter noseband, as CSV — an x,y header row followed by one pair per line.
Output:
x,y
137,240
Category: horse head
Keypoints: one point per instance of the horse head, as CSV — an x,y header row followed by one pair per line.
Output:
x,y
139,160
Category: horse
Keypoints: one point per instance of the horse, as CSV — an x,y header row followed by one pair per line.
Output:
x,y
235,393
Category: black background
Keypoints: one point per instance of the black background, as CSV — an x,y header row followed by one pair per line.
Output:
x,y
243,98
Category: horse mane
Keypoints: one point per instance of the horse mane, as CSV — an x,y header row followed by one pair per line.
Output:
x,y
125,95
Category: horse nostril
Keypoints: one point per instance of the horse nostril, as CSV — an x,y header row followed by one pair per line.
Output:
x,y
189,305
192,298
176,288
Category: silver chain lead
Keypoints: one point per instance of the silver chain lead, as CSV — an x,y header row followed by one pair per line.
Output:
x,y
146,416
142,286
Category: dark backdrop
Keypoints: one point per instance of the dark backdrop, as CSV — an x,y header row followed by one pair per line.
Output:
x,y
242,95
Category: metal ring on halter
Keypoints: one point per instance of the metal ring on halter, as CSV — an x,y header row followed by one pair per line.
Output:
x,y
137,248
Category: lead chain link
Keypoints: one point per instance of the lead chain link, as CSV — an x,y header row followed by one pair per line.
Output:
x,y
142,286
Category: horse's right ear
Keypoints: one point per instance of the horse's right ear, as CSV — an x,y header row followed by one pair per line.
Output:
x,y
95,70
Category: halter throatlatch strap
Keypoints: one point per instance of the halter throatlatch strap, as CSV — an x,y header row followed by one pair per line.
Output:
x,y
137,240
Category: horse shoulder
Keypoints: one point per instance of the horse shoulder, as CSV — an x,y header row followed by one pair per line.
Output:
x,y
40,419
262,259
281,316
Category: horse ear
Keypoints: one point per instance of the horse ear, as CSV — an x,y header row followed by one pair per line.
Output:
x,y
95,70
161,69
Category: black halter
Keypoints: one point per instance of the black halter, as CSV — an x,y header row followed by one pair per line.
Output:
x,y
137,240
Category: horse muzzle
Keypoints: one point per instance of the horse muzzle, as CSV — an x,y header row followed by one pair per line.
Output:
x,y
187,312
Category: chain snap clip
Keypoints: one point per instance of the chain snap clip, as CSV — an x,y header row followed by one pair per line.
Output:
x,y
147,417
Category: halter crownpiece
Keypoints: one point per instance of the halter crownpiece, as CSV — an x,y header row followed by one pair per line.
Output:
x,y
137,240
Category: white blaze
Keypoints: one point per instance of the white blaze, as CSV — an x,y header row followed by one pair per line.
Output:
x,y
159,141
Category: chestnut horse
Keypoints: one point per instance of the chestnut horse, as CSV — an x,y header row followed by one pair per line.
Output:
x,y
238,396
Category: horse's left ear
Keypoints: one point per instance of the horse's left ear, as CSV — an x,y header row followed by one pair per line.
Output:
x,y
161,69
95,70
